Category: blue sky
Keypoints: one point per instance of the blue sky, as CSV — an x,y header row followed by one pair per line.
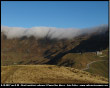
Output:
x,y
60,14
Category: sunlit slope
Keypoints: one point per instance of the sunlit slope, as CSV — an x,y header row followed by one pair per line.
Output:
x,y
47,74
100,68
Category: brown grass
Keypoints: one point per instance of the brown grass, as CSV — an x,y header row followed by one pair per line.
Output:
x,y
47,74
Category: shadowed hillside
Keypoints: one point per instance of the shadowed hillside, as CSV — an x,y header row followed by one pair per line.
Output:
x,y
96,42
93,43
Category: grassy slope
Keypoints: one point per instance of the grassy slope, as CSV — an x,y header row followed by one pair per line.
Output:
x,y
101,67
8,58
47,74
76,60
80,61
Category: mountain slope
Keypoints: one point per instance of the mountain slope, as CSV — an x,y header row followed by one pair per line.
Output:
x,y
44,74
76,52
54,49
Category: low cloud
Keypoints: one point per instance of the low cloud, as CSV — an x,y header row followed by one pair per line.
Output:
x,y
52,32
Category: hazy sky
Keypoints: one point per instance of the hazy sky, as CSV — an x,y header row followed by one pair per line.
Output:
x,y
60,14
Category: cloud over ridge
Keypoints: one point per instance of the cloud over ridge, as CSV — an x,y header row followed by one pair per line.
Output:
x,y
52,32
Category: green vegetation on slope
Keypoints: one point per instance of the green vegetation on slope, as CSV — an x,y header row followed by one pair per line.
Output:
x,y
79,60
99,68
